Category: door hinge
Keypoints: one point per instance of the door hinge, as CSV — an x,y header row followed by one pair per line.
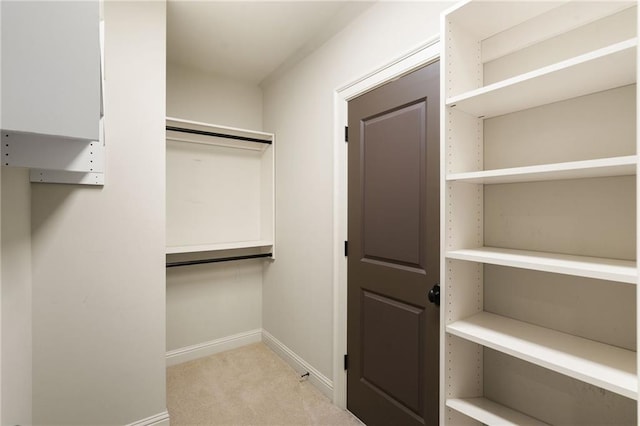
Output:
x,y
346,248
346,133
346,361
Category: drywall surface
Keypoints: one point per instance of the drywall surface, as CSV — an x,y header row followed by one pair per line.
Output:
x,y
16,297
213,301
210,302
98,253
298,107
198,96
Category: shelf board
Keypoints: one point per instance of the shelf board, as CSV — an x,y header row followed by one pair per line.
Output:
x,y
558,20
602,365
212,134
614,66
218,246
491,413
540,19
591,267
484,19
603,167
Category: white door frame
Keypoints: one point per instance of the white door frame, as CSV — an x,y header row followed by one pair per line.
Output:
x,y
428,51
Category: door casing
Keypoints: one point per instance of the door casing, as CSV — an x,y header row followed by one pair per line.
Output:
x,y
425,53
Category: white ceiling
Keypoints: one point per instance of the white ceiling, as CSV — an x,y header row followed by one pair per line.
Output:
x,y
250,40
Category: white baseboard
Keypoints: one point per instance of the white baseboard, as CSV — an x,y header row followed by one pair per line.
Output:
x,y
319,380
189,353
161,419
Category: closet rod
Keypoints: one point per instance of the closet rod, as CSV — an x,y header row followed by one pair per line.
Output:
x,y
216,260
218,135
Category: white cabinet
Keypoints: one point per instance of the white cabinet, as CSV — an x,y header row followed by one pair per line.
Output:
x,y
52,90
539,216
220,191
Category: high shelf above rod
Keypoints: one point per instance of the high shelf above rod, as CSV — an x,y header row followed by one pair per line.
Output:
x,y
218,247
180,130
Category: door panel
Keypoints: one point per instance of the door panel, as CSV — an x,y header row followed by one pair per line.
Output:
x,y
392,348
393,218
391,176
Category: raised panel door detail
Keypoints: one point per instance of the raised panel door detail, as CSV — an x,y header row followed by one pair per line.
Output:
x,y
393,168
392,339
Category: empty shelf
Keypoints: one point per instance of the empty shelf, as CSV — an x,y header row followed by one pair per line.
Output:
x,y
491,413
614,65
485,19
218,246
180,130
603,167
602,365
591,267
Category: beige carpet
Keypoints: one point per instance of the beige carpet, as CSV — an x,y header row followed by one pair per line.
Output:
x,y
247,386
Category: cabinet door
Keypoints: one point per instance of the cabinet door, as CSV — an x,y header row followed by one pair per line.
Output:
x,y
51,68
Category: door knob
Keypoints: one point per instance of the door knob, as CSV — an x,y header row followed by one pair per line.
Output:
x,y
434,295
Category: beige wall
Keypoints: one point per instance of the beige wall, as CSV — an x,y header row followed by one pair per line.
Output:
x,y
298,107
210,302
199,96
98,253
16,297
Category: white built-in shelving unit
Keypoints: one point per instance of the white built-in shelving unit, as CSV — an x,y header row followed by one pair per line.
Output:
x,y
220,190
51,120
539,213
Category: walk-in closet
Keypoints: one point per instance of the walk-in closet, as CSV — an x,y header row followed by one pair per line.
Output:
x,y
174,210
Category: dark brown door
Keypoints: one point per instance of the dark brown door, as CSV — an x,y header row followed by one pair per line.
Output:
x,y
393,182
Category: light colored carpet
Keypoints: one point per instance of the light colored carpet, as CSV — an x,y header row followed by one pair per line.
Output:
x,y
247,386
